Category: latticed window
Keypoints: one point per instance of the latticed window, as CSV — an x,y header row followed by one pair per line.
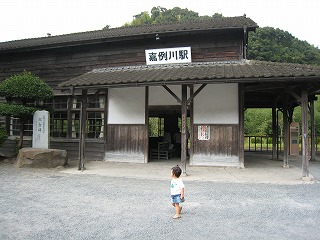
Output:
x,y
15,127
64,120
95,118
59,125
156,126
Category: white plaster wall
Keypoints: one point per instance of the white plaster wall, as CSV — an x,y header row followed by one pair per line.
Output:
x,y
217,104
126,105
159,96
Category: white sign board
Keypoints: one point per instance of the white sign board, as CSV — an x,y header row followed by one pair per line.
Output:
x,y
168,55
204,132
40,137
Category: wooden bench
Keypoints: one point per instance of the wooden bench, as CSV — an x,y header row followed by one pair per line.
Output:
x,y
162,152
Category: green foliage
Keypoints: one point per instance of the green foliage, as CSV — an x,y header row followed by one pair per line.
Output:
x,y
161,15
3,135
258,122
275,45
16,110
25,86
23,92
266,44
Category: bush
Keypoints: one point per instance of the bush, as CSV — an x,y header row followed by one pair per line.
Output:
x,y
3,135
256,140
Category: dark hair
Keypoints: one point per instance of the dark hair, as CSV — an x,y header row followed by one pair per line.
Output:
x,y
176,170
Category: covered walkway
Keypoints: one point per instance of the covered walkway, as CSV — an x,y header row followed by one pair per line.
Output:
x,y
259,168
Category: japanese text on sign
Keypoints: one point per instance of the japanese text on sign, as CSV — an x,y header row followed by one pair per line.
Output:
x,y
203,132
168,55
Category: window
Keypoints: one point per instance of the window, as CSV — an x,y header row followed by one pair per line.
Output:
x,y
59,125
156,126
15,127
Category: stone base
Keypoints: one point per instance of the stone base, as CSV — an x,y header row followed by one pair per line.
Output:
x,y
41,158
308,179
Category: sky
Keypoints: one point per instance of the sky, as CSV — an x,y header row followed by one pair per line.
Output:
x,y
21,19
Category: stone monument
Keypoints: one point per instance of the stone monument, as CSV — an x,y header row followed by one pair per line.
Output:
x,y
40,137
40,155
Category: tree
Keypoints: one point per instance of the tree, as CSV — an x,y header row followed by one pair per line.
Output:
x,y
161,15
266,44
24,93
276,45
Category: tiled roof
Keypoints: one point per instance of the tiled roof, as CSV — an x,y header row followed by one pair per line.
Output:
x,y
114,33
235,71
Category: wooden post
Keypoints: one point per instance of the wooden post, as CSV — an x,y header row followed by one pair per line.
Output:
x,y
313,131
191,126
69,116
146,126
105,119
274,132
184,130
285,133
305,147
83,128
241,125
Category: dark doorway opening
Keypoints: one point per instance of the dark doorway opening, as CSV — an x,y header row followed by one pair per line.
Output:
x,y
163,124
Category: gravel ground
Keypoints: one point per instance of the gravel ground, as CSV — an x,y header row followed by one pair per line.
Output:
x,y
48,204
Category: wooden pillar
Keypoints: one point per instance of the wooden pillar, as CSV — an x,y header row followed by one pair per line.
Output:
x,y
313,131
105,119
83,128
285,133
184,130
305,147
146,126
241,125
191,126
274,132
277,133
69,116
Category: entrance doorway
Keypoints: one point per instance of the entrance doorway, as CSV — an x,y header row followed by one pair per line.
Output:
x,y
164,122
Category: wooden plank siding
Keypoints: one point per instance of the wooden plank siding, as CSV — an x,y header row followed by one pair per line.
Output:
x,y
222,149
125,143
56,65
94,148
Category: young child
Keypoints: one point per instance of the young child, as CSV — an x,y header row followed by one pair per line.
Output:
x,y
177,190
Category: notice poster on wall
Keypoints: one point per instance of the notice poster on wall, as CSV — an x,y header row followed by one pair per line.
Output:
x,y
203,132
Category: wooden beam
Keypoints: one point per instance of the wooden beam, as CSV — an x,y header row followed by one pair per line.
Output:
x,y
184,130
83,129
105,120
172,94
305,147
241,125
196,93
274,132
294,94
146,126
285,132
191,127
94,96
313,131
69,116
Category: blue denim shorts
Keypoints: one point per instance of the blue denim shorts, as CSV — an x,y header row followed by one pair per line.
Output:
x,y
176,199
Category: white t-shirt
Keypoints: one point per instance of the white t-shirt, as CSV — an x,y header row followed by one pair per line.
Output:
x,y
176,186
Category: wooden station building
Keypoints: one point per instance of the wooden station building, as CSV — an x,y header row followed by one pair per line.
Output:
x,y
109,84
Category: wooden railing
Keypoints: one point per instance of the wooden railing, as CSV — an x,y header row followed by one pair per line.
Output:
x,y
264,143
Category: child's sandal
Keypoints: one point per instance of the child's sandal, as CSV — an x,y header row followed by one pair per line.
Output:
x,y
176,216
